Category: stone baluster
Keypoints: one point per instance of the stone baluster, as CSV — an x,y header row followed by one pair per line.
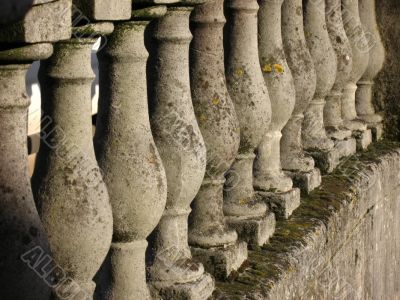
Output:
x,y
358,42
128,157
183,153
269,179
333,121
300,165
314,134
23,240
67,183
364,94
213,243
245,211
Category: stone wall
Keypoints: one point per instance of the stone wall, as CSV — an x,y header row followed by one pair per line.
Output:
x,y
342,243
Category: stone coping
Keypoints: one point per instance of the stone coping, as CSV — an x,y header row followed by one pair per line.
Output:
x,y
303,246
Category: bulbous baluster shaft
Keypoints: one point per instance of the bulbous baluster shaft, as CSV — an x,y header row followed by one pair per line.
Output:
x,y
23,240
220,129
127,154
68,185
183,152
364,94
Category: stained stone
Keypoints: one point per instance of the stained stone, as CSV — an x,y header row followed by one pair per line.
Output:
x,y
359,44
333,108
48,22
306,181
133,172
346,147
282,203
364,95
173,272
209,235
363,139
326,161
244,211
314,134
69,190
104,10
23,239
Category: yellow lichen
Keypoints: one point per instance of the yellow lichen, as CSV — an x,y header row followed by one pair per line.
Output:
x,y
216,101
203,119
239,72
267,68
278,68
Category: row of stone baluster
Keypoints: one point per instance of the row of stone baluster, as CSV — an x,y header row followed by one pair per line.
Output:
x,y
194,118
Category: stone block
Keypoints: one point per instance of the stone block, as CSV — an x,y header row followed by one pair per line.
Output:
x,y
103,10
377,131
197,290
49,22
283,203
306,181
363,138
256,231
221,261
346,147
325,161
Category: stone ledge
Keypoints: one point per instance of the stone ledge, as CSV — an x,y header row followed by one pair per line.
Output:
x,y
327,242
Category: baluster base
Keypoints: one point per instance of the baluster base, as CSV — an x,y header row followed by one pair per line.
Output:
x,y
221,261
200,289
254,231
363,139
282,204
346,147
325,161
377,131
306,181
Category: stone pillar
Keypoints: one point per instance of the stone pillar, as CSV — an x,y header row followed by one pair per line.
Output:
x,y
23,240
359,45
68,185
299,165
183,152
274,185
245,211
314,134
364,94
213,243
333,121
128,157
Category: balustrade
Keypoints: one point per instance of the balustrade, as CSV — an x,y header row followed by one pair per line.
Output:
x,y
274,185
364,94
299,165
202,133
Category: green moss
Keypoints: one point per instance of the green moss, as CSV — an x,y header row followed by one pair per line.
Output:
x,y
270,263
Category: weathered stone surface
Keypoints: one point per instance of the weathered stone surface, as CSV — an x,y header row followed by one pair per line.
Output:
x,y
377,131
346,147
133,171
325,62
363,139
104,10
364,106
48,22
68,186
182,150
333,108
283,204
337,242
219,126
302,68
360,51
306,181
249,94
23,238
326,161
223,262
268,172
